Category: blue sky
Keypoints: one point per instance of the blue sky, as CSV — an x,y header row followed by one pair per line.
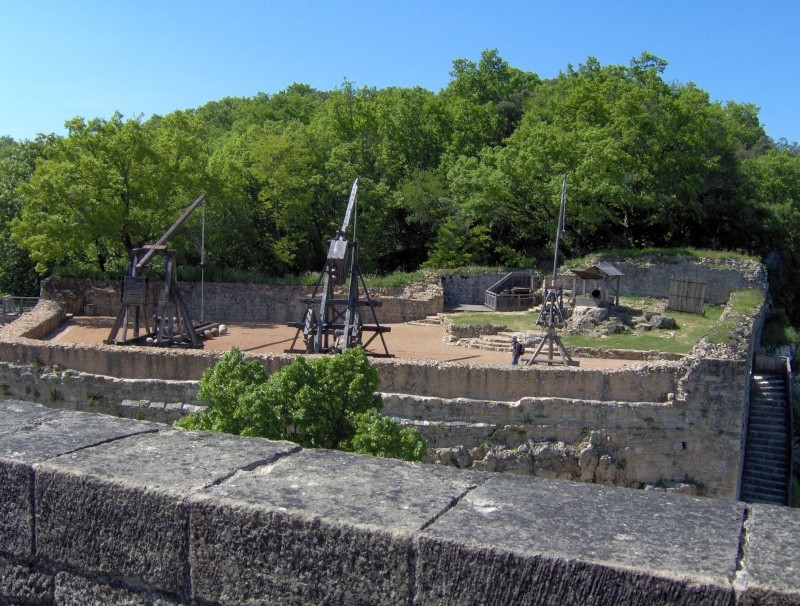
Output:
x,y
64,59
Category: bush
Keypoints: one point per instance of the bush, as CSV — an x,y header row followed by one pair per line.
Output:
x,y
326,402
381,436
778,331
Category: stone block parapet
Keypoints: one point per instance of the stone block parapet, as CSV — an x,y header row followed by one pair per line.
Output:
x,y
114,511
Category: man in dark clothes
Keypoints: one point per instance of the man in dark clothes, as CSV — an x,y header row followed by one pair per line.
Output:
x,y
516,351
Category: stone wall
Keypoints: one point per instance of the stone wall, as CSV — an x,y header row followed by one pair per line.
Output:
x,y
469,290
667,424
651,276
34,324
634,443
99,510
154,400
228,302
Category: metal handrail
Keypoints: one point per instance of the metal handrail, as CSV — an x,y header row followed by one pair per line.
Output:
x,y
515,278
15,306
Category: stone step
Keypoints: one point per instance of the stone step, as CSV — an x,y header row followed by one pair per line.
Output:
x,y
769,416
427,321
778,469
766,487
766,455
774,418
766,498
766,465
768,431
769,408
761,485
767,404
778,472
778,424
772,451
772,486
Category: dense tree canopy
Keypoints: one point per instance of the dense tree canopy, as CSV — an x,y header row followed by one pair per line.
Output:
x,y
468,175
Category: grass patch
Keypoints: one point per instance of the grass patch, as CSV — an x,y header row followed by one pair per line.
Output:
x,y
397,278
514,321
691,327
663,254
741,304
310,279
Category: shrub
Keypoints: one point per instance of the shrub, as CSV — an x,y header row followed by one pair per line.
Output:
x,y
325,402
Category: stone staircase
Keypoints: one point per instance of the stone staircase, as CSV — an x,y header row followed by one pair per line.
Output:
x,y
765,478
498,342
435,320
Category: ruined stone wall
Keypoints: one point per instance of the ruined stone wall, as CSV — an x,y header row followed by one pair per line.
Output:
x,y
651,276
99,510
460,290
229,302
665,445
154,400
34,324
660,423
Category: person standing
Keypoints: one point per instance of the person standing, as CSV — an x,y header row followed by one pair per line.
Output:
x,y
516,351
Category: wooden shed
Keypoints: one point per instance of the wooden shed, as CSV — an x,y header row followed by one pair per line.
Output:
x,y
599,285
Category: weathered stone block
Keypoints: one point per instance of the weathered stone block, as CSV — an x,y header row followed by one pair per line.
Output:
x,y
317,527
73,590
522,540
32,434
771,557
118,509
21,583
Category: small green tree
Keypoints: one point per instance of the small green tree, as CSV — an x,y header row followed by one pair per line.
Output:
x,y
226,389
380,436
326,402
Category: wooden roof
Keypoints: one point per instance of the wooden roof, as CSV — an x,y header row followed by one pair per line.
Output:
x,y
597,271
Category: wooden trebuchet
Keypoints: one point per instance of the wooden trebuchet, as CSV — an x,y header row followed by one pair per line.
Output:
x,y
551,316
331,324
165,321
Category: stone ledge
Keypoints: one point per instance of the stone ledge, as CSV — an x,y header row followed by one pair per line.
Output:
x,y
123,512
36,323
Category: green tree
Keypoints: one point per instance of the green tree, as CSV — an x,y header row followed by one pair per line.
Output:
x,y
224,390
239,231
292,194
326,402
649,163
486,101
772,183
109,186
17,162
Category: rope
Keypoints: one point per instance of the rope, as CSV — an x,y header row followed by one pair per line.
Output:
x,y
202,264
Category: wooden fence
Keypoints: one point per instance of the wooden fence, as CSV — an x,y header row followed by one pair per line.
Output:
x,y
686,295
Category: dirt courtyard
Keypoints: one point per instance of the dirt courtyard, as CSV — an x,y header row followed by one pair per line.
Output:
x,y
405,341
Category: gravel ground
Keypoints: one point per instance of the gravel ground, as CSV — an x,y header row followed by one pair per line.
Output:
x,y
405,341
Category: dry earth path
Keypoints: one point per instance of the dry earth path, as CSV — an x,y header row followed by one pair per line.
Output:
x,y
405,341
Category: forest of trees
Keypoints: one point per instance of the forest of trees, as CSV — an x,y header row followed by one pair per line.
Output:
x,y
470,175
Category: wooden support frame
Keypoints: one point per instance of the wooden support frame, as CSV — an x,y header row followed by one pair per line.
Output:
x,y
172,323
332,325
165,322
